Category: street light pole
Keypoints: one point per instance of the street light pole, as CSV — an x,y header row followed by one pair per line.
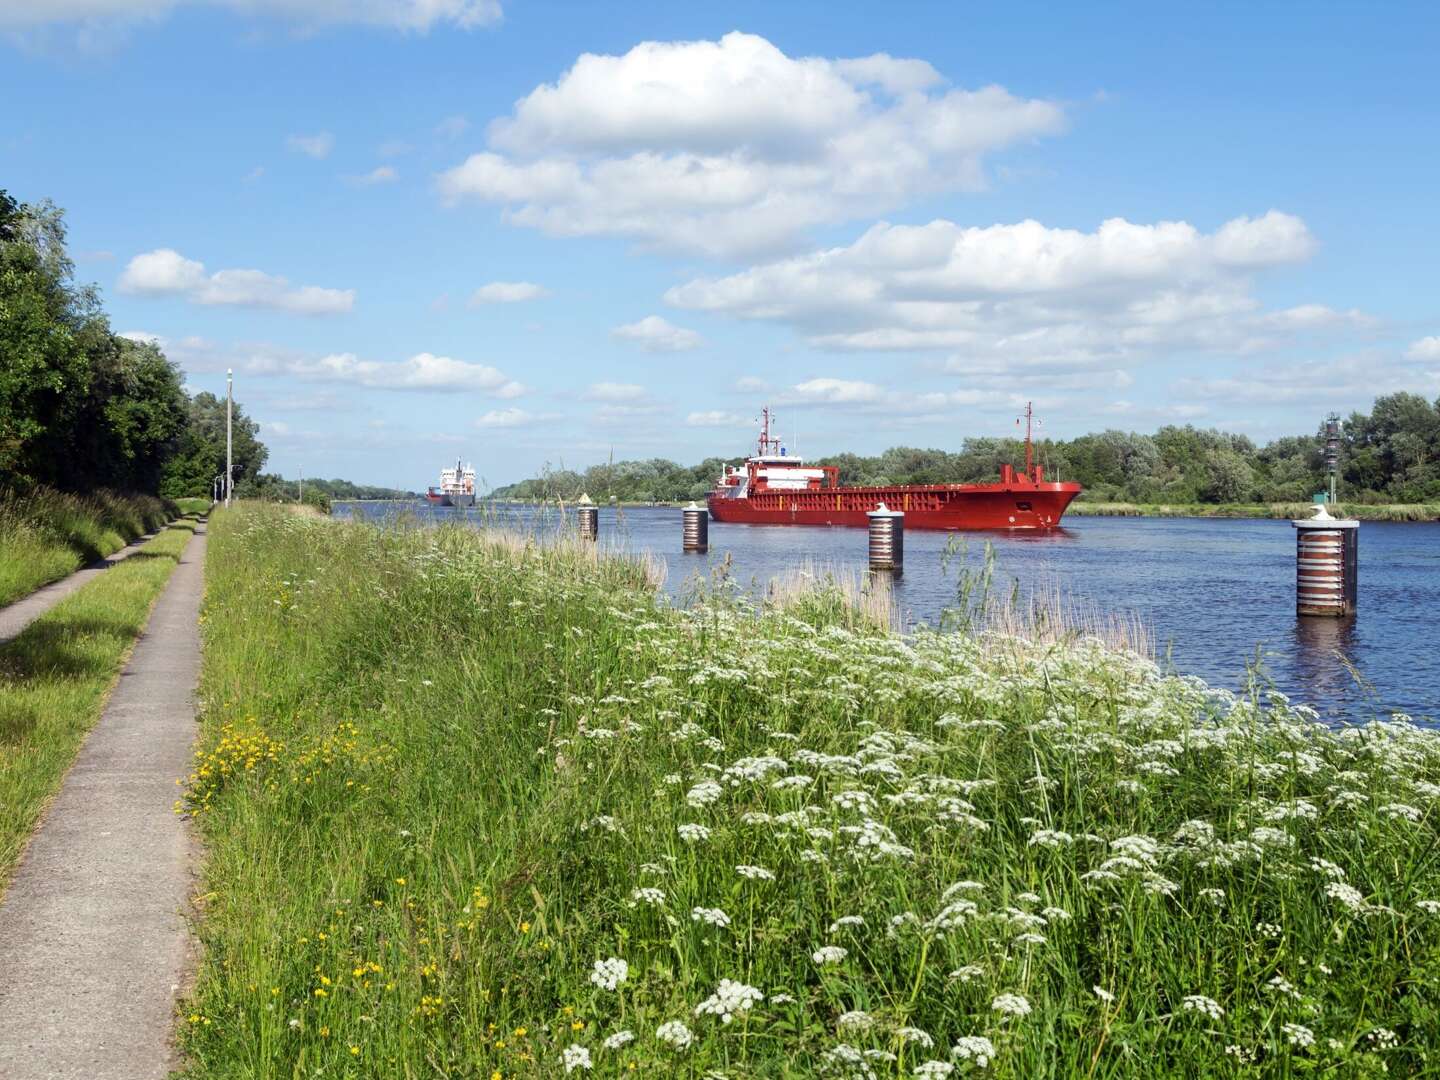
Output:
x,y
229,445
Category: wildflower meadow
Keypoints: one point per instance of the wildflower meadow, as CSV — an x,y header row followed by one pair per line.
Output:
x,y
477,806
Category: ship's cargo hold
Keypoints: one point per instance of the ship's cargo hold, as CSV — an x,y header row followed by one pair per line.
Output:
x,y
1327,565
695,530
887,540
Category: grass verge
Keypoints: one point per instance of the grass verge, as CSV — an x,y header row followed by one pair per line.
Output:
x,y
475,809
55,677
46,535
1285,511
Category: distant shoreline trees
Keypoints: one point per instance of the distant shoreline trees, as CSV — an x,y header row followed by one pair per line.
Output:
x,y
1389,455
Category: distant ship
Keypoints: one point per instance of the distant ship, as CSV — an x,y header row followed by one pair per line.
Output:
x,y
774,488
457,487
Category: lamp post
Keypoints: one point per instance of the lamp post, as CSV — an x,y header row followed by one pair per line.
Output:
x,y
229,445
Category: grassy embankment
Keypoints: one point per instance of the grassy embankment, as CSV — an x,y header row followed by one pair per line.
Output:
x,y
448,783
45,534
1286,511
56,676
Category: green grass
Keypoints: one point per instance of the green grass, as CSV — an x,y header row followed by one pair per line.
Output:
x,y
1288,511
55,677
46,535
193,505
443,775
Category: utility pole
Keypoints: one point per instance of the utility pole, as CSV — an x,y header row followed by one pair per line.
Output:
x,y
302,483
229,445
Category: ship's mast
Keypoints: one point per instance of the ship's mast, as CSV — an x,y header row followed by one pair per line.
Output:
x,y
1029,447
765,441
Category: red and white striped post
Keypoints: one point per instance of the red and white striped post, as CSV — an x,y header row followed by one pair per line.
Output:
x,y
1327,565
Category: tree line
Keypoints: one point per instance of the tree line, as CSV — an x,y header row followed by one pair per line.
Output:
x,y
83,408
1389,455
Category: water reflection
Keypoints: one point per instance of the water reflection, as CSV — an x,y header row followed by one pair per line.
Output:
x,y
1322,660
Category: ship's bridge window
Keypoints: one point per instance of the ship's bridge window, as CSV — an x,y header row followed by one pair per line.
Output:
x,y
1022,506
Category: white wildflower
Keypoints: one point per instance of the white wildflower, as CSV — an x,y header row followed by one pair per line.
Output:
x,y
915,1035
855,1020
829,954
704,793
1011,1005
932,1070
609,974
856,920
966,973
730,998
648,894
1202,1004
977,1050
714,916
693,832
619,1039
1298,1035
1104,995
754,873
576,1057
675,1033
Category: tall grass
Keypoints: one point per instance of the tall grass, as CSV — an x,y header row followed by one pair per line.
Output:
x,y
47,534
480,808
55,677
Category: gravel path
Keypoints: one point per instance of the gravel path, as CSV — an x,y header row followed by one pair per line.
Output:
x,y
15,617
93,938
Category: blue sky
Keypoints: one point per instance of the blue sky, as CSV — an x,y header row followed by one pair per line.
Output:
x,y
531,233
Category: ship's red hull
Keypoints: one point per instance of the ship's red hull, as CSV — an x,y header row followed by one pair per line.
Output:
x,y
930,506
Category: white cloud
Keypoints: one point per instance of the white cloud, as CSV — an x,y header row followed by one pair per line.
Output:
x,y
316,146
715,418
393,148
751,384
165,272
509,418
869,397
407,15
1027,294
423,371
655,334
1427,348
732,147
614,392
507,292
383,174
452,127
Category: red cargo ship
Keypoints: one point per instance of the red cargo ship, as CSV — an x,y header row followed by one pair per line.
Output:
x,y
773,488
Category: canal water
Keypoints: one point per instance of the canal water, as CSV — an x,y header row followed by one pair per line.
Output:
x,y
1216,596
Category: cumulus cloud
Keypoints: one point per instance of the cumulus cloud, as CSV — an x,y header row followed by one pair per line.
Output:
x,y
512,417
613,392
871,397
384,174
316,146
507,292
423,371
655,334
715,418
165,272
452,127
420,372
732,147
1028,294
406,15
1427,348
